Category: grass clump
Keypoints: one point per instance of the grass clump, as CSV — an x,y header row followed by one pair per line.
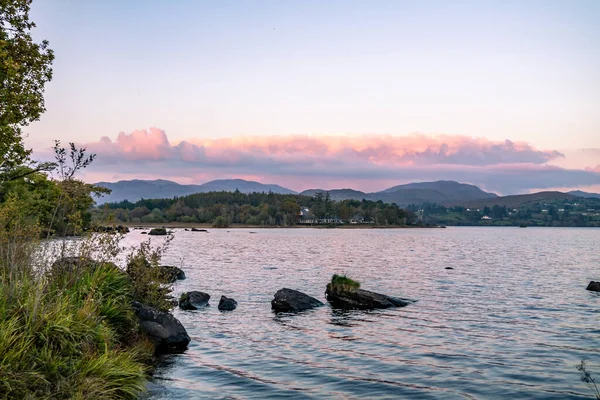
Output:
x,y
342,281
76,341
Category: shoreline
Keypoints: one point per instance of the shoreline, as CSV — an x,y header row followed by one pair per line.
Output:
x,y
190,225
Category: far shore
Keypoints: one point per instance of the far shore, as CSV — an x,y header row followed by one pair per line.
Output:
x,y
190,225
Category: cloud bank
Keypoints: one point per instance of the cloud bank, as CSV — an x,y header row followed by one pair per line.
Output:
x,y
362,162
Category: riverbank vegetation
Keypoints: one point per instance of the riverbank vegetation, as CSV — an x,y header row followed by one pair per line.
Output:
x,y
67,327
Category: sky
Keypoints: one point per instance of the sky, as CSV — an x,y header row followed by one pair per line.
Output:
x,y
328,94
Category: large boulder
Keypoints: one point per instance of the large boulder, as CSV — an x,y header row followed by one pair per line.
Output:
x,y
289,300
354,298
163,329
157,231
227,304
172,274
193,300
594,286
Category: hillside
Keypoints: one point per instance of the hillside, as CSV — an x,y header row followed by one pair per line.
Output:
x,y
441,192
517,201
135,190
339,194
586,195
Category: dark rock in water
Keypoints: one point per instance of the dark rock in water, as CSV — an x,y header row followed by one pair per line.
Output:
x,y
172,274
594,286
186,229
193,300
198,230
448,268
287,300
157,231
144,233
347,298
227,304
163,329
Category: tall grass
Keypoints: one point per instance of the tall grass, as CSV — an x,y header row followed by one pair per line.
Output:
x,y
67,331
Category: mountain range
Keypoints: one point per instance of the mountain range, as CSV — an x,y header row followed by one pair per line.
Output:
x,y
155,189
440,192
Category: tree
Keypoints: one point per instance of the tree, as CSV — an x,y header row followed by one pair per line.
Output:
x,y
25,68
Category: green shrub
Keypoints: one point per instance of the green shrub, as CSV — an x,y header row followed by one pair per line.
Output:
x,y
342,281
150,285
220,222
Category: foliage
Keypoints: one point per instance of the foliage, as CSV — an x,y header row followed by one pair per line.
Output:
x,y
558,212
344,282
586,377
25,68
220,222
267,209
150,285
60,336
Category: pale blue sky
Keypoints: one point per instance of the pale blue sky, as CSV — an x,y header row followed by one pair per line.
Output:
x,y
523,70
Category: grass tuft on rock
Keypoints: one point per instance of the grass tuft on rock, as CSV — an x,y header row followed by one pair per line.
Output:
x,y
343,282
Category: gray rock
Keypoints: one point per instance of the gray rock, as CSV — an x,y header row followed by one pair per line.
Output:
x,y
289,300
227,304
171,273
341,297
193,300
157,231
163,329
594,286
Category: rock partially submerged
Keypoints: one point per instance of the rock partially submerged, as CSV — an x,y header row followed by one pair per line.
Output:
x,y
198,230
163,329
193,300
158,232
345,293
594,286
172,274
227,304
289,300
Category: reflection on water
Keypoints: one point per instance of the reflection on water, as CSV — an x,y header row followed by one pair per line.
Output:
x,y
510,320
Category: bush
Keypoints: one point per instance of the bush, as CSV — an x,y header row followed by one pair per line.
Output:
x,y
343,282
220,222
150,285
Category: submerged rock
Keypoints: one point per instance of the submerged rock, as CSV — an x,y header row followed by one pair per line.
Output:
x,y
448,268
157,231
594,286
227,304
341,296
163,329
172,274
198,230
193,300
289,300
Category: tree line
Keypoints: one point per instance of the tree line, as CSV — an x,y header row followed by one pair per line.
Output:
x,y
261,209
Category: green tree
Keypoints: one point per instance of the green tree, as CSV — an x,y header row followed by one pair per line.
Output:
x,y
25,68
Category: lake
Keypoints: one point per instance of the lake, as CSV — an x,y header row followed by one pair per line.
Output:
x,y
512,319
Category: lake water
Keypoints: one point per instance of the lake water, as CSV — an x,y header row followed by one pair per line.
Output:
x,y
511,320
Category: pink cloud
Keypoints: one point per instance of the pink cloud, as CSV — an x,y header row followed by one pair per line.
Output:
x,y
416,149
368,162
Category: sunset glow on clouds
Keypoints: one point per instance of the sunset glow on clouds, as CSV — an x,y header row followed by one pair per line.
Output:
x,y
367,162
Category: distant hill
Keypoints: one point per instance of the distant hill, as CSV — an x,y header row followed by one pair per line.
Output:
x,y
338,194
441,192
517,200
146,189
587,195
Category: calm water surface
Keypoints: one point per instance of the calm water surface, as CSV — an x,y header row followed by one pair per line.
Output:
x,y
512,319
